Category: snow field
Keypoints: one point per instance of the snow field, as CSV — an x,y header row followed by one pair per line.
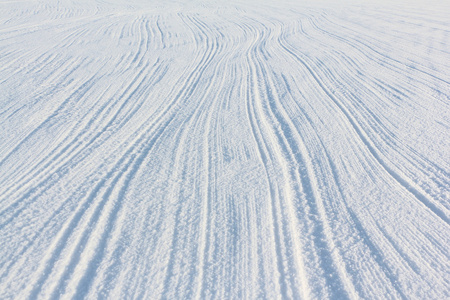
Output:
x,y
228,150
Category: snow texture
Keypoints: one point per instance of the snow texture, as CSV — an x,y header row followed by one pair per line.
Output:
x,y
224,149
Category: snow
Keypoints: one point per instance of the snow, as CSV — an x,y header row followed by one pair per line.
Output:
x,y
224,149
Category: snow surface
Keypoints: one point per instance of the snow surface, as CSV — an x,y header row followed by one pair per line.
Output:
x,y
222,149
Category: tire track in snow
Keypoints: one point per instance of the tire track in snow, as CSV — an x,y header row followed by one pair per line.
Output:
x,y
190,86
191,150
69,161
381,130
265,159
407,184
288,148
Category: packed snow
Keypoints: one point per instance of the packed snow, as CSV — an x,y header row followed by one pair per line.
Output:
x,y
224,149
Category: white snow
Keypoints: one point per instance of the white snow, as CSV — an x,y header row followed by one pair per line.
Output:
x,y
224,149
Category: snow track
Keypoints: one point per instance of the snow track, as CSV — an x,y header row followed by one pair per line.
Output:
x,y
198,150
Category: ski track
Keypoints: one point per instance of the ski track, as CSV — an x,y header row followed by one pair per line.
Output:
x,y
237,150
